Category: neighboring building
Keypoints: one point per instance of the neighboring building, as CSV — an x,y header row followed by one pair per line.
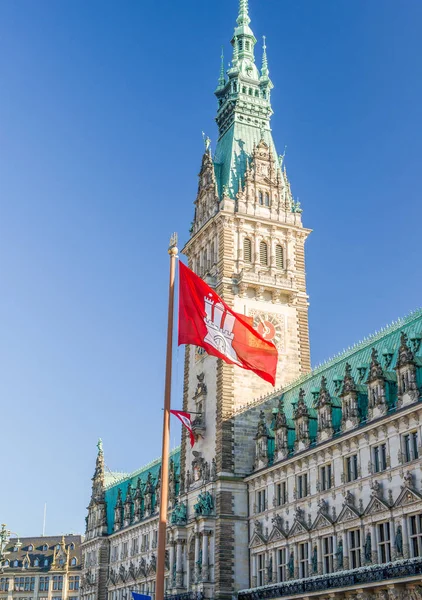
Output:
x,y
310,491
42,568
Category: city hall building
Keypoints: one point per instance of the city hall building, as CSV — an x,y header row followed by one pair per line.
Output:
x,y
312,491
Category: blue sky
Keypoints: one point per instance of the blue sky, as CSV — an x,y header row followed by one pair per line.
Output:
x,y
102,107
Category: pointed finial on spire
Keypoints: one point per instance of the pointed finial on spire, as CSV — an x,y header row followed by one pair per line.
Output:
x,y
243,18
265,71
222,79
100,446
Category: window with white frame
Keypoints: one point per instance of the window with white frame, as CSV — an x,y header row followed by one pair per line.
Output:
x,y
328,554
261,501
410,449
282,564
303,550
355,550
379,458
325,477
281,493
302,486
351,469
384,542
415,534
261,569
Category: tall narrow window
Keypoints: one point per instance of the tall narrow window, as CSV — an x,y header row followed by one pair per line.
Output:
x,y
416,535
261,569
267,199
263,253
247,250
281,565
279,257
303,559
355,548
261,198
240,45
384,545
328,554
410,446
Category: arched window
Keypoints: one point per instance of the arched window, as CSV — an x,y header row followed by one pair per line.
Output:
x,y
36,563
6,563
279,257
72,546
45,548
15,563
30,548
240,45
267,199
73,562
261,198
263,253
247,250
46,562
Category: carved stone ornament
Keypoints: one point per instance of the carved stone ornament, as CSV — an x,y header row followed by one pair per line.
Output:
x,y
179,514
204,505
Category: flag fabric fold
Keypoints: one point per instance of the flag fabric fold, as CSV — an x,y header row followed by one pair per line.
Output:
x,y
205,320
186,420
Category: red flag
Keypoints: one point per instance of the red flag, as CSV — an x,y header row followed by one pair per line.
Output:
x,y
205,320
186,420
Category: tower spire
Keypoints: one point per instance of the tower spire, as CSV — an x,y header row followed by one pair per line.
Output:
x,y
222,79
243,18
265,72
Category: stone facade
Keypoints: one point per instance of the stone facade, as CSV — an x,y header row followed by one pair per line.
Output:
x,y
311,490
42,568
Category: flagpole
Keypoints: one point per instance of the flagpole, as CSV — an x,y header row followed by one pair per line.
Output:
x,y
161,553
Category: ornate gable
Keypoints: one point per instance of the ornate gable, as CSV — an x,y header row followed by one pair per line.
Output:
x,y
206,203
407,496
348,513
257,540
297,528
322,521
276,534
376,505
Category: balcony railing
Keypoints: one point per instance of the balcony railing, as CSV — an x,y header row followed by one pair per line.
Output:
x,y
185,596
342,579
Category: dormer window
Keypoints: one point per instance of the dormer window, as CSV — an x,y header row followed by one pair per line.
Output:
x,y
45,548
15,548
6,563
73,562
15,563
72,546
46,562
36,563
57,546
30,548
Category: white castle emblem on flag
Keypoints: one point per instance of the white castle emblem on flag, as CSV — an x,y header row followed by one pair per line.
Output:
x,y
220,325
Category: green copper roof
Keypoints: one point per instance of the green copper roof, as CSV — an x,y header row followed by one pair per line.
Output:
x,y
113,486
386,342
244,108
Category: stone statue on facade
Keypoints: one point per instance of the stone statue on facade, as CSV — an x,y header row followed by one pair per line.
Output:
x,y
204,505
399,541
368,548
179,514
339,554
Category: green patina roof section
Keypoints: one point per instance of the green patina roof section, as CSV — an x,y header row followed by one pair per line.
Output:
x,y
388,339
233,151
112,487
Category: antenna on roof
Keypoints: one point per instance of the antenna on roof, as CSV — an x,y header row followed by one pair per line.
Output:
x,y
44,519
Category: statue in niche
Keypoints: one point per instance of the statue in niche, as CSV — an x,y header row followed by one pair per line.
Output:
x,y
315,560
270,570
291,565
205,504
368,548
339,554
399,541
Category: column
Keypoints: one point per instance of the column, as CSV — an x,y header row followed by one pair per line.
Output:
x,y
197,572
275,578
172,575
393,540
405,529
310,562
296,561
179,564
320,559
335,562
205,559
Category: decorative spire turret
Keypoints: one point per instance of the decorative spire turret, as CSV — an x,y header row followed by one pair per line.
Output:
x,y
98,478
222,78
243,18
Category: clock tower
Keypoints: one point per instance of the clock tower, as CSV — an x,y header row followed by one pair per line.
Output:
x,y
247,242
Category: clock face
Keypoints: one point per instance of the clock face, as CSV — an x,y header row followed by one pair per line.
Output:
x,y
270,326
